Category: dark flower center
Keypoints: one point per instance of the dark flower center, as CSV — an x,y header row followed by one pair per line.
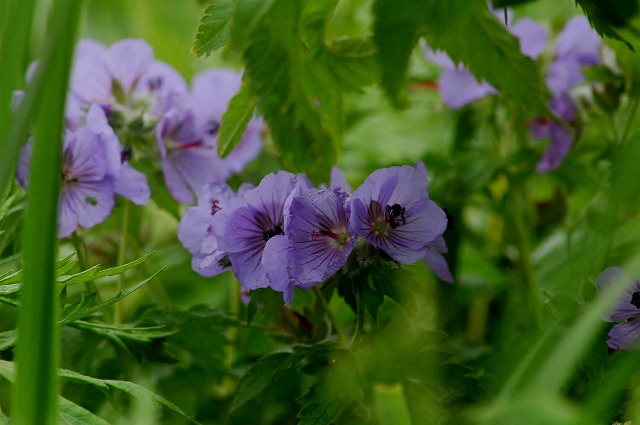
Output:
x,y
635,299
394,214
155,83
215,207
271,232
212,127
317,233
125,154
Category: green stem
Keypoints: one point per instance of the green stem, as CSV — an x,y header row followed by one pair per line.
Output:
x,y
81,252
332,318
627,128
359,319
122,256
614,130
524,257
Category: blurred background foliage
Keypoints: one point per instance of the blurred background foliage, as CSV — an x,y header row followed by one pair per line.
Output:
x,y
518,335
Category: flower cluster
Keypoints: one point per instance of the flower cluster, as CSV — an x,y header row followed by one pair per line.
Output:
x,y
285,233
577,46
124,106
625,335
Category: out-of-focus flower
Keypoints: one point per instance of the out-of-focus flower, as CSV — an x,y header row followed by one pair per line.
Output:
x,y
187,136
435,260
459,87
393,212
188,161
195,231
625,335
245,226
578,45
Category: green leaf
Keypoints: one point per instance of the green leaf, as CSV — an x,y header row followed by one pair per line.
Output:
x,y
395,33
607,15
259,376
140,391
214,27
140,342
246,16
72,414
469,33
304,114
88,310
235,120
338,386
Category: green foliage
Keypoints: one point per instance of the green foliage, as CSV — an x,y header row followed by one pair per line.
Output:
x,y
214,28
608,16
235,120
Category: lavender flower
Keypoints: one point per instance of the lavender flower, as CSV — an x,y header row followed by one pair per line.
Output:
x,y
459,87
578,45
188,161
320,234
435,260
393,212
86,191
625,335
246,224
212,90
195,231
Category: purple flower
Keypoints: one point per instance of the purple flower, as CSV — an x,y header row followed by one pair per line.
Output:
x,y
212,90
195,231
246,224
435,260
459,87
393,212
625,335
578,45
188,161
127,181
320,235
86,191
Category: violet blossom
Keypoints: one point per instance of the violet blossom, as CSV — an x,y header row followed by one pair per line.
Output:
x,y
393,212
318,238
195,231
86,189
246,224
577,46
625,334
187,136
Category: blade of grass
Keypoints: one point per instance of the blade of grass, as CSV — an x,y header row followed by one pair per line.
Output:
x,y
36,383
14,52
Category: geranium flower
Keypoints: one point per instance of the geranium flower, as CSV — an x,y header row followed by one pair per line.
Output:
x,y
577,46
625,335
393,212
195,231
435,260
246,224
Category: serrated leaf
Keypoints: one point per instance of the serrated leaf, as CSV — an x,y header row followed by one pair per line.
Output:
x,y
214,27
469,33
259,376
304,115
246,16
395,33
607,15
8,339
235,120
